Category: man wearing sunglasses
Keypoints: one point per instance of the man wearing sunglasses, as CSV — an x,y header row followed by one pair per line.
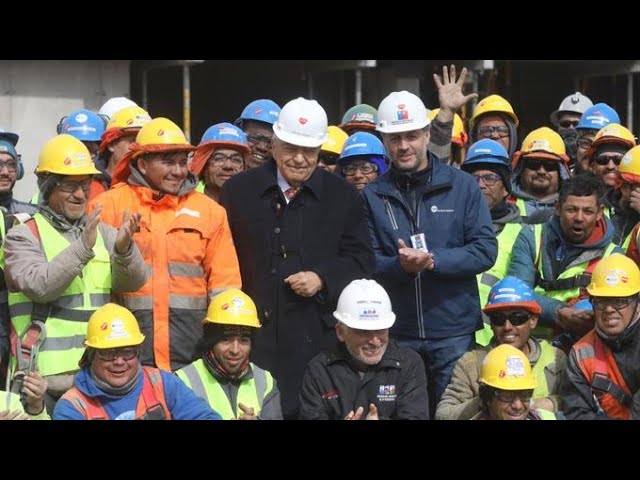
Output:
x,y
566,118
559,256
112,383
602,370
63,264
539,168
256,121
604,156
513,312
593,119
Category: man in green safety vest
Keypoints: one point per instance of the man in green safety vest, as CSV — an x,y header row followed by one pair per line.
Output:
x,y
63,264
224,377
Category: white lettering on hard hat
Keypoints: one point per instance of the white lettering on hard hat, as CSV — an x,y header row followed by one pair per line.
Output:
x,y
228,131
514,367
81,118
81,128
363,116
188,211
354,145
511,296
483,150
118,330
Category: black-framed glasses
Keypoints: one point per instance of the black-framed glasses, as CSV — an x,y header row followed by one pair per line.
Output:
x,y
618,303
255,138
510,396
584,143
110,354
364,167
535,164
488,131
70,187
489,179
515,318
218,159
568,123
10,165
604,160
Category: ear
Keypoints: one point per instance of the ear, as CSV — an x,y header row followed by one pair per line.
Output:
x,y
558,207
142,165
534,321
600,213
111,148
340,331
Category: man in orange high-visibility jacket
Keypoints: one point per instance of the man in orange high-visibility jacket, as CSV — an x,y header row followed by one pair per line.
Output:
x,y
184,238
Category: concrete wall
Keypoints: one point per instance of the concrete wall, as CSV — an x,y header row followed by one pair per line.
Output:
x,y
34,95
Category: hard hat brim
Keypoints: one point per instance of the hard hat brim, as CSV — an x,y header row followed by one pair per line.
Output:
x,y
380,324
297,139
403,126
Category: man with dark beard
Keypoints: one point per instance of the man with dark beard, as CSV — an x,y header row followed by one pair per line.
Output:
x,y
566,119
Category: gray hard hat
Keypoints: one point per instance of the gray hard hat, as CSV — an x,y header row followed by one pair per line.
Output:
x,y
575,102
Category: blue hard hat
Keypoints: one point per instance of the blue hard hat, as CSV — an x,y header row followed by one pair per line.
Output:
x,y
487,151
85,125
584,304
364,144
10,137
511,292
598,116
263,110
226,134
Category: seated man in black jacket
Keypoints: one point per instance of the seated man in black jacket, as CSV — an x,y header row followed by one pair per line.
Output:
x,y
367,376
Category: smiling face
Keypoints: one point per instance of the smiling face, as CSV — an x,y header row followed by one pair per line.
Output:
x,y
514,335
510,404
365,346
223,164
295,163
118,371
408,150
8,172
232,352
165,172
70,196
259,135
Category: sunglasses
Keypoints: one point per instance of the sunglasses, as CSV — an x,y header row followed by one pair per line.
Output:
x,y
535,164
603,160
568,123
110,354
516,318
618,303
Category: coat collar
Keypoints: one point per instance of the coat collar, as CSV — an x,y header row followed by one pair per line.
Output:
x,y
267,179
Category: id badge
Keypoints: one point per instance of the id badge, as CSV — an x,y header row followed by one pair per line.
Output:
x,y
419,243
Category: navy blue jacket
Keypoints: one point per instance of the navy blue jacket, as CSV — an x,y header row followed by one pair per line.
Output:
x,y
455,219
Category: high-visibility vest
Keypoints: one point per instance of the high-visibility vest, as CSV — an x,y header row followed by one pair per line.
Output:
x,y
151,405
67,316
200,187
546,414
251,392
506,238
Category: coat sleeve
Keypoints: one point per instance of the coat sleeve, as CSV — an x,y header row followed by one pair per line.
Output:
x,y
413,401
271,407
440,142
461,400
480,248
28,271
354,258
183,403
575,391
312,405
220,262
128,271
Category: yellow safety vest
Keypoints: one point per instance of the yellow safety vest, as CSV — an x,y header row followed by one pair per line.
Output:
x,y
67,316
506,239
251,393
200,187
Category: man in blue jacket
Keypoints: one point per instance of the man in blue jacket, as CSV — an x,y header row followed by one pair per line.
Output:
x,y
431,232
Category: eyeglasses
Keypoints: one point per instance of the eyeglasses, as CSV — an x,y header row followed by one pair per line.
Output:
x,y
535,164
10,165
604,160
218,159
255,138
489,130
71,187
584,143
365,168
509,396
568,123
489,179
110,354
618,303
516,318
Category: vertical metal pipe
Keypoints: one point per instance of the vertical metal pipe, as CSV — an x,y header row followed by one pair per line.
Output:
x,y
144,89
358,86
310,85
630,101
186,101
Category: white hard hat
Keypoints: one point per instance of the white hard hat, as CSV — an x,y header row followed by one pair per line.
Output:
x,y
576,103
401,112
115,104
302,122
365,305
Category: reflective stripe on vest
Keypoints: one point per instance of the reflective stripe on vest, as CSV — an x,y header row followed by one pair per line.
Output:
x,y
151,405
602,363
547,356
200,187
66,316
251,393
506,239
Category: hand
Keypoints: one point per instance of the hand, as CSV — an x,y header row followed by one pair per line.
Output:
x,y
542,403
90,233
34,387
130,225
13,415
247,413
357,415
450,93
575,320
413,260
373,412
305,284
634,200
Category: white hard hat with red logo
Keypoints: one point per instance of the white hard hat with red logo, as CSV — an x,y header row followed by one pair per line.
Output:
x,y
302,122
402,112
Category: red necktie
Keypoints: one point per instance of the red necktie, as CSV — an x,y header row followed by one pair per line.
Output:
x,y
290,193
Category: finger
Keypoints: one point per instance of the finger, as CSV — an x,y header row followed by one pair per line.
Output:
x,y
401,243
470,96
125,216
373,410
445,74
452,73
436,80
463,75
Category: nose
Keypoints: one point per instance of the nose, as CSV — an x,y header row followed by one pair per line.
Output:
x,y
234,347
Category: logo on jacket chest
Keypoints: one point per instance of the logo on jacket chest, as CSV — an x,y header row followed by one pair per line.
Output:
x,y
386,393
436,209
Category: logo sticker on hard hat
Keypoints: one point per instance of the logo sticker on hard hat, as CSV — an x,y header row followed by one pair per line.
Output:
x,y
236,306
515,367
626,159
302,120
612,280
118,330
81,118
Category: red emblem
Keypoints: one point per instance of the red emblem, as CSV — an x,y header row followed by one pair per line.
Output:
x,y
303,120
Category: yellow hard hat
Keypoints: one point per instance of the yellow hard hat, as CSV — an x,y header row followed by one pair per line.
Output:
x,y
113,326
612,133
336,140
132,117
630,165
233,307
493,103
544,142
507,368
458,134
615,276
66,155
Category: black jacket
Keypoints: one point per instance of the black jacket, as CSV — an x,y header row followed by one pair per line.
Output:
x,y
324,230
397,386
